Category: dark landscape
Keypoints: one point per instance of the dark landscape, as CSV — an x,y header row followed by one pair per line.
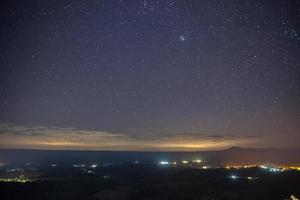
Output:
x,y
42,174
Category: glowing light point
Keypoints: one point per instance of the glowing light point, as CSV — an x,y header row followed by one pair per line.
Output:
x,y
197,161
164,163
263,167
79,166
233,177
94,165
293,197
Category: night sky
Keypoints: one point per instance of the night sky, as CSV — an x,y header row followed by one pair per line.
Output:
x,y
149,75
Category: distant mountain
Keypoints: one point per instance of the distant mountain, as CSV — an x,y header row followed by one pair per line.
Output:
x,y
233,155
259,156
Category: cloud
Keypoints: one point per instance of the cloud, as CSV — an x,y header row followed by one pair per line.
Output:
x,y
41,137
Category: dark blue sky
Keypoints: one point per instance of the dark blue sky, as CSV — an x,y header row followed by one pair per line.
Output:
x,y
207,70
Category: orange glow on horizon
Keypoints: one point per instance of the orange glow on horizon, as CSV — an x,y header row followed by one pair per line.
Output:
x,y
73,139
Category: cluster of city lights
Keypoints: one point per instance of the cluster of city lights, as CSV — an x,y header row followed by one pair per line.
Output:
x,y
293,197
20,179
238,177
265,167
86,168
272,169
240,166
87,171
94,165
297,168
184,162
15,170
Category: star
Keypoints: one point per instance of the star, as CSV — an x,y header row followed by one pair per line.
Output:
x,y
182,38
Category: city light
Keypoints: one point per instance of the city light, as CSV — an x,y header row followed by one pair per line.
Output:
x,y
252,178
164,162
295,168
240,166
185,162
94,165
272,169
20,179
263,167
293,197
197,161
15,170
78,166
233,177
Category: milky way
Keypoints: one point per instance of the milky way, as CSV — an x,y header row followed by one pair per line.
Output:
x,y
220,72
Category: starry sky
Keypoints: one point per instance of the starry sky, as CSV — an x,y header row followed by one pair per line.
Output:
x,y
149,74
